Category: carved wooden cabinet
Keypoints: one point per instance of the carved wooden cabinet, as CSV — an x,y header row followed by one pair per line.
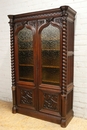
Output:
x,y
42,55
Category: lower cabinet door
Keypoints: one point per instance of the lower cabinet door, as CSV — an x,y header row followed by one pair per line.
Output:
x,y
50,102
26,97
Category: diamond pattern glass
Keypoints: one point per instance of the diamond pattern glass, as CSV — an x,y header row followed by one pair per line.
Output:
x,y
50,43
25,53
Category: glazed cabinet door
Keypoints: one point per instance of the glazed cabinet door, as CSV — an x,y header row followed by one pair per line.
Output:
x,y
25,65
50,71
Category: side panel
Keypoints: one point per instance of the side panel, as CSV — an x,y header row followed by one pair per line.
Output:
x,y
70,64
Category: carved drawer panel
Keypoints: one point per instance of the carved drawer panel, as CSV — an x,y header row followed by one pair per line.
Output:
x,y
50,102
26,97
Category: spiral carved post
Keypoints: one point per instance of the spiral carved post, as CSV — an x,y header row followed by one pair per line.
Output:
x,y
64,69
12,63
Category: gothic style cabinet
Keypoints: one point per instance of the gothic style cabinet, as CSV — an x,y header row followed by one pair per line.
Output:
x,y
42,55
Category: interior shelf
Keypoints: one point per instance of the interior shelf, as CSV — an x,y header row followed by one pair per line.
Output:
x,y
25,49
50,81
26,78
26,65
45,66
51,49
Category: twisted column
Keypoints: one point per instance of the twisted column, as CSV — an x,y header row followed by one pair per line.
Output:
x,y
64,56
64,68
12,63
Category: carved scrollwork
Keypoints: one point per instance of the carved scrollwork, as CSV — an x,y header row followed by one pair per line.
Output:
x,y
25,23
50,101
40,22
48,20
26,97
58,21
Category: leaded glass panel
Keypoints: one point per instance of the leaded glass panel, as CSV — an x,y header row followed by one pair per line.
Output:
x,y
25,54
50,44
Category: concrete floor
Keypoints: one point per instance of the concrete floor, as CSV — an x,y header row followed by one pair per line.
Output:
x,y
9,121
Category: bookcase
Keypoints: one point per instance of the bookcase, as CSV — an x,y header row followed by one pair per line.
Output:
x,y
42,62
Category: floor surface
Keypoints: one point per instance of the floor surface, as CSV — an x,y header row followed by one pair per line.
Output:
x,y
10,121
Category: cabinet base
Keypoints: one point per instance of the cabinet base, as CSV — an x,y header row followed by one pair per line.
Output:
x,y
54,119
65,121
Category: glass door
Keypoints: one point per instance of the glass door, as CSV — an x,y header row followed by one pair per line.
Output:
x,y
49,85
25,67
50,49
25,55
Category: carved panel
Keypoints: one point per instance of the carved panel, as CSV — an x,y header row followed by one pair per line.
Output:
x,y
26,97
50,101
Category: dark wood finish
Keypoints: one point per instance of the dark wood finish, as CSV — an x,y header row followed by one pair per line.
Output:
x,y
49,99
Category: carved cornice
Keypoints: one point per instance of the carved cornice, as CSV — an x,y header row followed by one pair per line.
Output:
x,y
68,13
39,16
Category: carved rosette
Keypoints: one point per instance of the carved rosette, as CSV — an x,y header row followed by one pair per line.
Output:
x,y
64,53
12,63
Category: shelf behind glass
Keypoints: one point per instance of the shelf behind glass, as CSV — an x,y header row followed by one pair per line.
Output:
x,y
45,66
26,73
25,57
50,44
26,65
50,49
50,58
25,44
51,75
26,79
50,82
28,49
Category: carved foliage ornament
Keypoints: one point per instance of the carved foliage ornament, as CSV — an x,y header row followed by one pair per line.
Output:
x,y
26,97
50,101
